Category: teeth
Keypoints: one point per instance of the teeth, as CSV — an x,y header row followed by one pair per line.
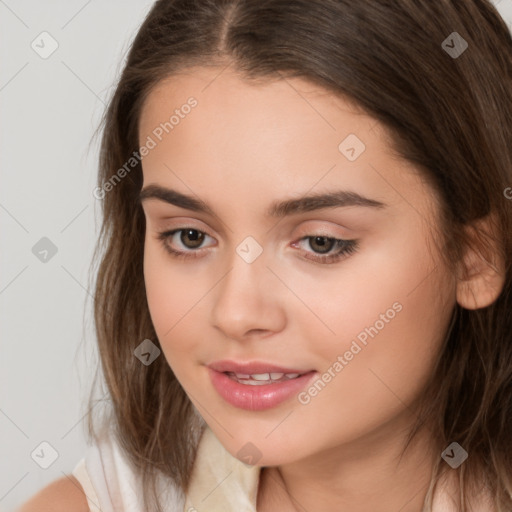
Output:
x,y
260,376
258,379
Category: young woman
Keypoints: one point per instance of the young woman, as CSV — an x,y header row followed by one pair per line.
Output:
x,y
304,298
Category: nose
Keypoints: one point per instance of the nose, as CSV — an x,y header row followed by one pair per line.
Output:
x,y
249,301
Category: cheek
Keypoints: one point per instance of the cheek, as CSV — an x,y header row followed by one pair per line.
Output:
x,y
378,378
173,292
389,314
391,282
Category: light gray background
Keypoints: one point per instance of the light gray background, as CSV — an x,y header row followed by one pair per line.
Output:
x,y
50,108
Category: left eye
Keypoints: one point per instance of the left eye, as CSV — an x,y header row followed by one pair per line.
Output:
x,y
192,239
325,245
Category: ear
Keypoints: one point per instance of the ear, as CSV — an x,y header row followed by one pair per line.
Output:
x,y
481,273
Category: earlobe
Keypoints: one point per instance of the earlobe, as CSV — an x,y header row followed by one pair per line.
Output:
x,y
481,272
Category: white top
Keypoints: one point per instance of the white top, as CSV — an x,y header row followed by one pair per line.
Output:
x,y
219,482
111,484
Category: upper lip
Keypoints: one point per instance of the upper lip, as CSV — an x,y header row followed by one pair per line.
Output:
x,y
251,368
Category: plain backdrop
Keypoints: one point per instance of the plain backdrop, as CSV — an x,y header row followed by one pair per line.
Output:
x,y
59,61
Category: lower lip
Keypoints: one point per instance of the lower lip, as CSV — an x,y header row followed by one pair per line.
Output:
x,y
260,397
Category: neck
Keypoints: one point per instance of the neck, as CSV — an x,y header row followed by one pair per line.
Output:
x,y
366,475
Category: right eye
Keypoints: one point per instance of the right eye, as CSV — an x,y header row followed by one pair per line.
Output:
x,y
190,238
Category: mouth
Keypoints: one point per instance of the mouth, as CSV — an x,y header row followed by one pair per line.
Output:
x,y
257,386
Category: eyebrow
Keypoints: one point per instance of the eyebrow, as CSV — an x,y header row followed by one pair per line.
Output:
x,y
335,199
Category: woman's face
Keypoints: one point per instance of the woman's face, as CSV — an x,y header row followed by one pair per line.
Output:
x,y
360,320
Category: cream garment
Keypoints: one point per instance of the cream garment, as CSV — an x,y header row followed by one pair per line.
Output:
x,y
219,482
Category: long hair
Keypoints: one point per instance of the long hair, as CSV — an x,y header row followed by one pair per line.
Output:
x,y
448,114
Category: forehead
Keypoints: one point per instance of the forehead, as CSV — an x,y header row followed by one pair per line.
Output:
x,y
227,102
266,137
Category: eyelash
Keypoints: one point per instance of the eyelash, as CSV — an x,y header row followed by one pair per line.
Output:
x,y
346,247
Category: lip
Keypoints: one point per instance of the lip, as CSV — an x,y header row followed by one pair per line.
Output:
x,y
261,397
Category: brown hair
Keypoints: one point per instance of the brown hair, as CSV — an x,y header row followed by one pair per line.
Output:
x,y
452,117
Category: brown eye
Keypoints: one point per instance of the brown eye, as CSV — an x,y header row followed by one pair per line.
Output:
x,y
326,249
321,244
184,242
191,238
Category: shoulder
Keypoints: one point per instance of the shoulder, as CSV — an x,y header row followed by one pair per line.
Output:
x,y
447,497
62,495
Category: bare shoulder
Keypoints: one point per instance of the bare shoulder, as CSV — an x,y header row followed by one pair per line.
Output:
x,y
62,495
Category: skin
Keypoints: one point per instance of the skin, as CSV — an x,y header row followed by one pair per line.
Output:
x,y
242,147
